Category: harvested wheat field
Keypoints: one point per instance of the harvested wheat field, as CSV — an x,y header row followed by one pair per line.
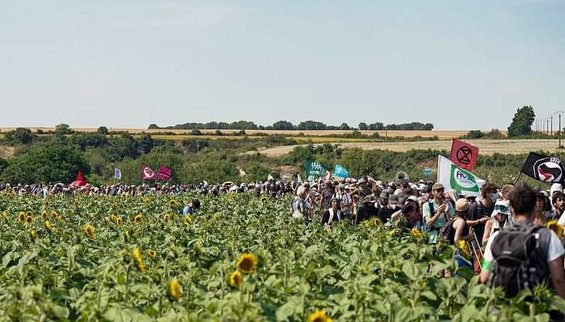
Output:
x,y
487,147
441,134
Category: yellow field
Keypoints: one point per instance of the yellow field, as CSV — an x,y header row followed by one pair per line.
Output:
x,y
487,147
6,151
447,134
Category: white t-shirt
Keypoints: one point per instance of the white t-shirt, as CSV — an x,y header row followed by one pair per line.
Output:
x,y
554,251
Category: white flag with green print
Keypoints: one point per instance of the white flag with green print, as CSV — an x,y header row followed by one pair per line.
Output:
x,y
456,179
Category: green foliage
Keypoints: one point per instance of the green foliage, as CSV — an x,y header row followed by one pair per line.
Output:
x,y
46,163
102,130
353,273
19,136
63,129
473,134
522,122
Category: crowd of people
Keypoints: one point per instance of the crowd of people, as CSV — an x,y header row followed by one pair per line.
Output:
x,y
500,234
507,222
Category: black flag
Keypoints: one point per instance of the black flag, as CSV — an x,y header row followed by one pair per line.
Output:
x,y
542,168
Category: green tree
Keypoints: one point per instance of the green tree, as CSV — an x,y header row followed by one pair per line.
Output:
x,y
63,129
102,130
19,136
283,125
522,122
46,163
363,126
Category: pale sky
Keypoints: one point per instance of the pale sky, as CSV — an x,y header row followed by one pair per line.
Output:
x,y
457,64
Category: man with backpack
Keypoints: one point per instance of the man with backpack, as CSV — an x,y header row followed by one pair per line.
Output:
x,y
525,255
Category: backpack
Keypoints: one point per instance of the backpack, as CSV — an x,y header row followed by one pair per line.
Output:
x,y
447,232
518,260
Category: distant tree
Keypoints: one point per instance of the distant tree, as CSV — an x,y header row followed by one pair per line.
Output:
x,y
63,129
522,122
283,125
344,126
153,126
474,134
145,143
363,126
102,130
311,125
195,132
19,136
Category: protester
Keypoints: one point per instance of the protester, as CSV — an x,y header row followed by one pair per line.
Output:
x,y
191,208
500,219
543,257
436,212
332,214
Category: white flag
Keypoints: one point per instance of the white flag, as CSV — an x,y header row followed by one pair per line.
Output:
x,y
456,179
117,174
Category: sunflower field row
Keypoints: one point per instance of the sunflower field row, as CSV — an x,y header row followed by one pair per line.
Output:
x,y
240,258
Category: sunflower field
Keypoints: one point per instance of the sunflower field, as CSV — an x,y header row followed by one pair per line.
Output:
x,y
240,258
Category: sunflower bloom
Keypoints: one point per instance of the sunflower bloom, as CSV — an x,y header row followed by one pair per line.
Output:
x,y
54,214
464,249
416,233
151,253
174,291
138,218
247,263
119,221
188,219
138,260
319,316
236,279
167,217
557,228
377,222
89,231
44,215
172,203
29,219
22,217
48,226
33,234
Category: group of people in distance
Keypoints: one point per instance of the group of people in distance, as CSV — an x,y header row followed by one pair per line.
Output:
x,y
506,225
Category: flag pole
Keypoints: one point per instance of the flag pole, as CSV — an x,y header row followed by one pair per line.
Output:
x,y
518,177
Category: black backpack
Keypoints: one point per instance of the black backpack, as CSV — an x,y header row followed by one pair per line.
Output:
x,y
519,262
447,232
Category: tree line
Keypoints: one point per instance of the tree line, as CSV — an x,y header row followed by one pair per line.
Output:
x,y
289,126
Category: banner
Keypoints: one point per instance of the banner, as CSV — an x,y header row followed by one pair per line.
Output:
x,y
340,172
314,170
326,176
456,179
543,168
463,154
164,173
117,174
147,173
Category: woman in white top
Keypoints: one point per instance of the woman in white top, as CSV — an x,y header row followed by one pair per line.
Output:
x,y
500,219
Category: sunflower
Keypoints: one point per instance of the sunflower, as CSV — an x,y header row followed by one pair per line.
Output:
x,y
138,218
22,217
29,214
172,203
48,225
236,279
416,233
377,222
464,249
174,291
319,316
557,228
89,231
167,217
119,221
138,260
247,263
188,219
33,234
113,218
151,253
44,215
29,219
199,249
54,214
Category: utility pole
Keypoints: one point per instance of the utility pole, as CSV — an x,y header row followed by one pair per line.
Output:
x,y
559,131
551,127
